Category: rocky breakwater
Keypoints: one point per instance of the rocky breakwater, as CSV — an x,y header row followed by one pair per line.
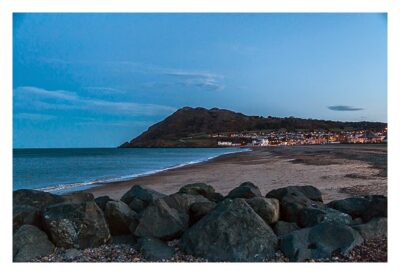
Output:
x,y
243,226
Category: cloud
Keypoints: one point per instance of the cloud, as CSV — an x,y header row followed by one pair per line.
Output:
x,y
57,94
344,108
33,116
105,90
39,99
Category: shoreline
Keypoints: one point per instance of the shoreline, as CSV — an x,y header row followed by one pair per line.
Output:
x,y
338,170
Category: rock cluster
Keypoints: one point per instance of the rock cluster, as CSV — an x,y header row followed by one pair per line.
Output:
x,y
243,226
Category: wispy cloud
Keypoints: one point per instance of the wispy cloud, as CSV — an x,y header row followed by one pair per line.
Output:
x,y
57,94
105,90
46,99
173,77
344,108
33,116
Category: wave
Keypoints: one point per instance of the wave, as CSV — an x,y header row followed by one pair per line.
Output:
x,y
70,187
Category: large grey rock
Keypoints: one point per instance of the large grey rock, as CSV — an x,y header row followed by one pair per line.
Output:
x,y
76,225
282,228
308,191
200,209
80,196
374,229
377,207
309,217
293,199
160,221
102,201
119,217
29,242
202,189
266,208
319,242
25,214
139,194
246,190
154,249
34,198
231,232
355,207
182,202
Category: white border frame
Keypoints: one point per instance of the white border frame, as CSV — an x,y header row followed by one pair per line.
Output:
x,y
7,7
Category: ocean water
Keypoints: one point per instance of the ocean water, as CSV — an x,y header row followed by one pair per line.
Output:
x,y
66,170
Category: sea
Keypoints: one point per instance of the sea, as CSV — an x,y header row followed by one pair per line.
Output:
x,y
67,170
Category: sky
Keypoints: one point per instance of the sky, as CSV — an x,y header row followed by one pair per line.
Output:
x,y
98,80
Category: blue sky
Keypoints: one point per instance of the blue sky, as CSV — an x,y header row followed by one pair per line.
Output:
x,y
98,80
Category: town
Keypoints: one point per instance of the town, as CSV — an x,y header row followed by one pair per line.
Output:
x,y
282,137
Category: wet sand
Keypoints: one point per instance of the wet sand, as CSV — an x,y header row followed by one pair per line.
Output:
x,y
339,171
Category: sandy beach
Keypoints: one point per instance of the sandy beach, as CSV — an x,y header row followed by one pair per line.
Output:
x,y
339,171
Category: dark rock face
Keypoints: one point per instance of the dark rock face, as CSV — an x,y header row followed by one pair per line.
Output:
x,y
29,242
309,217
355,207
319,242
102,201
246,190
266,208
202,189
78,197
119,217
182,202
307,191
76,225
200,209
230,232
25,214
377,207
293,199
124,239
282,228
34,198
154,249
374,229
141,196
161,221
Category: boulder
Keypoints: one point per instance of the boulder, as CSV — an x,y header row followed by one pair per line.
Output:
x,y
128,239
119,217
377,207
137,205
246,190
182,202
78,197
155,250
199,209
76,225
266,208
25,214
282,228
160,221
231,232
202,189
144,194
293,199
374,229
29,242
319,242
355,207
310,216
102,201
34,198
307,191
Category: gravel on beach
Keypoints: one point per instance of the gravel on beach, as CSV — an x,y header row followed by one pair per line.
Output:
x,y
370,251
